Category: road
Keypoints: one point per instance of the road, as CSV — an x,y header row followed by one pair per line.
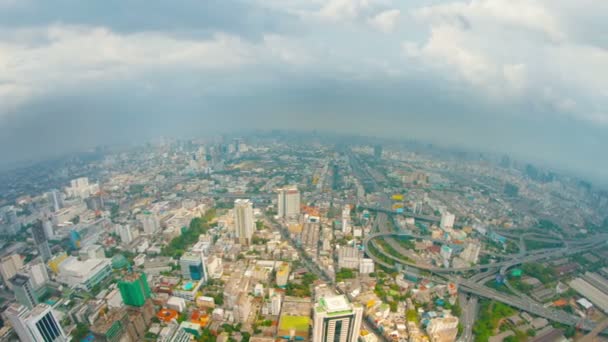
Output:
x,y
469,306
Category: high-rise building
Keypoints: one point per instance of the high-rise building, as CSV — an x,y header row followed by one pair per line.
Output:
x,y
47,226
288,202
9,266
470,253
81,188
22,287
41,241
335,319
126,233
134,289
37,325
150,222
55,198
346,227
39,276
282,274
447,220
193,266
243,220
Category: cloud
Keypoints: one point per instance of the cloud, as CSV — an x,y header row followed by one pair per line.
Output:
x,y
467,72
514,51
386,21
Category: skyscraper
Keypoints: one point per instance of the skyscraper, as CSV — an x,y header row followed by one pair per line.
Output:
x,y
335,319
243,220
9,266
55,199
41,241
22,287
37,325
288,202
134,289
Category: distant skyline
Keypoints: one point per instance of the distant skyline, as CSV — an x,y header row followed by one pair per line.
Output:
x,y
524,78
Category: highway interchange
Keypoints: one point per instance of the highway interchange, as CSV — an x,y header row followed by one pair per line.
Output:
x,y
474,286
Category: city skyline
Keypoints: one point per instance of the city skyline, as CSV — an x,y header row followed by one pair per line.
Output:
x,y
472,74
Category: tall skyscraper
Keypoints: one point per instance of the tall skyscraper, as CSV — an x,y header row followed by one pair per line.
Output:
x,y
37,325
335,319
22,287
243,220
134,289
41,241
288,202
9,266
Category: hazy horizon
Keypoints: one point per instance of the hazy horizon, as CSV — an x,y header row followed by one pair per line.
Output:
x,y
523,78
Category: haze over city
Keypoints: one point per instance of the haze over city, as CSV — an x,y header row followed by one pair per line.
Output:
x,y
526,78
303,171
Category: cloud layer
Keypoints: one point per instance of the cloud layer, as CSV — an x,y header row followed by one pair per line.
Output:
x,y
520,76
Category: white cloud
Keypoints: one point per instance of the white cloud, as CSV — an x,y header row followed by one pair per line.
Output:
x,y
514,50
70,55
386,21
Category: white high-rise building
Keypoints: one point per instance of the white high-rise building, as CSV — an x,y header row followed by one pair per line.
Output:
x,y
38,273
335,319
81,188
275,304
9,266
470,253
126,233
150,222
243,220
447,220
346,227
37,325
288,202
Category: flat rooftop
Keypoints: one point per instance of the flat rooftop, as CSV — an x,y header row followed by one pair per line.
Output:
x,y
337,303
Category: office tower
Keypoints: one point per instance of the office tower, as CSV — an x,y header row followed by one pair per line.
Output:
x,y
75,239
134,289
9,266
243,220
41,241
22,287
149,221
193,266
335,319
288,202
447,220
37,325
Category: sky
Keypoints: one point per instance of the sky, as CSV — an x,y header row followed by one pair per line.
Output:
x,y
524,77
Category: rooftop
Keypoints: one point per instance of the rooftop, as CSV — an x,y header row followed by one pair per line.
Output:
x,y
334,304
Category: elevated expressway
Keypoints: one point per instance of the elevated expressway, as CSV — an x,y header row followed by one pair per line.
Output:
x,y
442,275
